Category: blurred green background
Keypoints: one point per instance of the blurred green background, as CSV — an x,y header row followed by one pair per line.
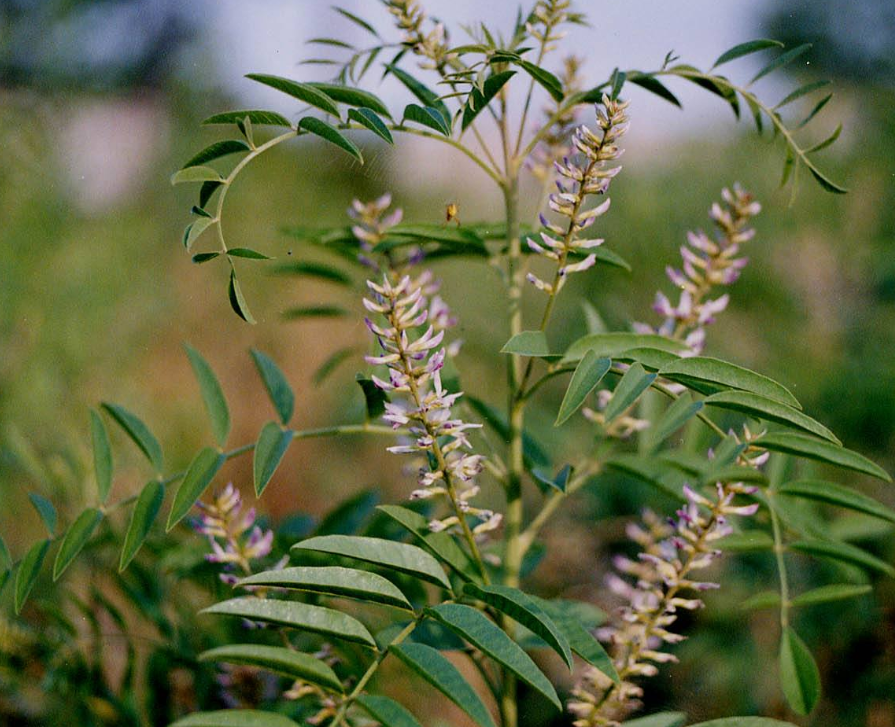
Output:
x,y
100,102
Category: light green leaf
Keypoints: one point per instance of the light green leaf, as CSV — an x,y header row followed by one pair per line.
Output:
x,y
276,384
302,91
589,372
547,80
764,599
272,445
302,616
139,433
247,253
353,97
520,607
386,553
843,552
632,385
834,494
744,49
216,151
610,344
441,674
357,21
581,641
198,476
331,134
27,573
663,719
698,371
313,270
257,117
424,94
751,541
333,581
196,174
102,456
194,230
782,60
799,675
487,637
811,448
652,359
372,122
280,660
386,711
234,718
46,510
828,593
212,394
528,343
427,116
480,98
145,512
675,416
770,410
826,142
75,539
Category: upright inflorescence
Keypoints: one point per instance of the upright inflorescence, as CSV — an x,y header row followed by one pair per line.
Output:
x,y
433,46
371,222
707,263
581,175
544,20
556,140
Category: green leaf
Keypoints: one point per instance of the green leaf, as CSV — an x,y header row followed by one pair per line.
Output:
x,y
811,448
400,557
828,593
313,270
770,410
302,91
75,539
427,116
46,510
216,151
138,432
632,385
336,359
356,20
441,674
801,91
28,571
196,174
372,122
5,557
610,344
272,445
617,79
764,599
374,397
744,49
653,85
333,581
195,229
520,607
201,472
102,456
589,372
675,416
386,711
829,141
302,616
825,182
528,343
487,637
479,98
744,722
234,718
818,107
277,386
353,97
799,675
842,552
424,94
257,117
662,719
834,494
246,252
533,453
212,394
751,541
652,359
781,60
716,373
315,311
558,483
547,80
280,660
331,134
207,189
581,641
238,301
146,510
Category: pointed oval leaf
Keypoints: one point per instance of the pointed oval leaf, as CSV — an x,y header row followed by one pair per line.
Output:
x,y
269,450
315,311
744,722
476,628
138,432
277,386
302,616
198,476
331,134
634,382
5,556
353,97
745,49
726,375
216,151
771,410
801,91
357,21
208,188
663,719
652,359
520,607
280,660
764,599
386,711
799,675
675,416
386,553
828,593
781,60
547,80
811,448
196,174
815,110
369,120
146,510
653,85
834,494
194,230
204,257
102,456
441,674
333,581
256,116
46,510
375,398
589,372
301,91
247,253
28,571
427,116
528,343
313,270
480,98
610,344
829,141
75,539
843,552
212,394
424,94
235,718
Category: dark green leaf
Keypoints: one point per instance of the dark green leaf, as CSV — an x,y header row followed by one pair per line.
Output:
x,y
480,98
653,85
238,301
302,616
216,151
386,711
301,91
632,385
212,394
831,592
396,556
349,516
333,581
801,91
815,110
608,257
314,311
28,571
257,117
313,270
277,386
826,142
547,80
102,456
207,189
675,416
725,375
811,448
280,660
610,344
424,94
194,230
441,674
46,510
246,253
651,359
372,122
744,722
201,472
752,541
799,675
269,450
75,539
353,97
331,134
617,83
528,343
825,182
374,397
656,473
145,512
581,641
427,116
332,363
843,552
589,372
782,60
663,719
762,600
5,557
487,637
744,49
558,483
834,494
197,174
533,452
770,410
234,718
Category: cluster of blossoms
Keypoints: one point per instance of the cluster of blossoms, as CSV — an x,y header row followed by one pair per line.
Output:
x,y
582,175
370,223
707,263
544,20
433,46
555,143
